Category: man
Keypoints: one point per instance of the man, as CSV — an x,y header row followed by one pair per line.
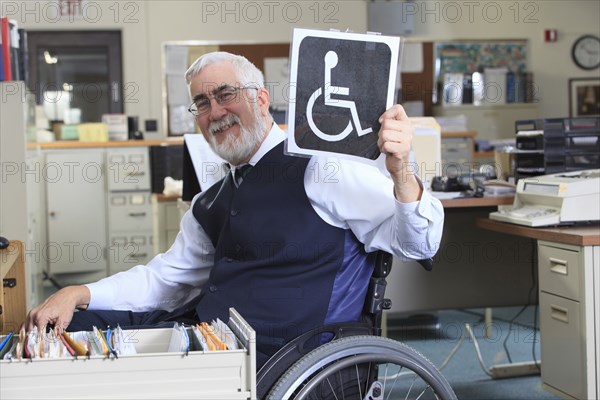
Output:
x,y
290,245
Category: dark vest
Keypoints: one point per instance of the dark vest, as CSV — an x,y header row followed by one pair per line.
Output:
x,y
275,259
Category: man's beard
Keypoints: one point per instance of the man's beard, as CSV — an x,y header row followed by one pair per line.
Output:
x,y
233,149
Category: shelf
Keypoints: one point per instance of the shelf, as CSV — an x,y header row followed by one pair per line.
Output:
x,y
459,134
76,144
486,106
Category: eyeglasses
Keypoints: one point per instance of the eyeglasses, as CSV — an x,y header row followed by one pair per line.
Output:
x,y
222,95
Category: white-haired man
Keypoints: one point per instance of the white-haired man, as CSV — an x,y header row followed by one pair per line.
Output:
x,y
291,245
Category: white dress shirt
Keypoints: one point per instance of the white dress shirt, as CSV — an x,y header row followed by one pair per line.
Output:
x,y
344,193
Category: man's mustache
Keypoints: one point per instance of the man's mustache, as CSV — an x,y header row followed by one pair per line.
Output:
x,y
227,120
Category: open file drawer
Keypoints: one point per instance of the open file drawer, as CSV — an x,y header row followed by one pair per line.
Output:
x,y
152,373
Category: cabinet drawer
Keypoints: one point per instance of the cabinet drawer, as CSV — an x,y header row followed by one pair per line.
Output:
x,y
151,373
563,345
128,169
560,270
129,211
128,250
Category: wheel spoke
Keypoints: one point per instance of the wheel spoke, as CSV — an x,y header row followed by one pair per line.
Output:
x,y
396,376
409,389
424,390
360,396
332,390
385,376
367,386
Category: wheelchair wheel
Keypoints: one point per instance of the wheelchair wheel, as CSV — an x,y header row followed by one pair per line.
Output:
x,y
362,367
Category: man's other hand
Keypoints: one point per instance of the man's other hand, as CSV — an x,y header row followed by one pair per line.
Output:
x,y
395,140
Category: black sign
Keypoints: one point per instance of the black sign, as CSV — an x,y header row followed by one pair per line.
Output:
x,y
342,86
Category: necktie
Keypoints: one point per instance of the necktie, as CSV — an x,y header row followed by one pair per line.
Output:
x,y
240,173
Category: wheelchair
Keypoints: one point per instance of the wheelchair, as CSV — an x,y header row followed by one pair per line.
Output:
x,y
355,362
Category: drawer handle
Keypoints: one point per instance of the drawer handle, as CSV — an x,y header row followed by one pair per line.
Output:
x,y
559,266
139,214
138,255
559,313
139,173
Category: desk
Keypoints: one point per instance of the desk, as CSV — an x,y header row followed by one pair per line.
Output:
x,y
474,268
470,202
568,268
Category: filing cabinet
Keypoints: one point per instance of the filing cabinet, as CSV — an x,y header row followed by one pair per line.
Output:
x,y
151,373
130,226
568,318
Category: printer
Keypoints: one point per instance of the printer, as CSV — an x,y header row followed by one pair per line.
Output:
x,y
566,198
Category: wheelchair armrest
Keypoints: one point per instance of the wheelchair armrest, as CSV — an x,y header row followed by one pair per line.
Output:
x,y
427,263
383,264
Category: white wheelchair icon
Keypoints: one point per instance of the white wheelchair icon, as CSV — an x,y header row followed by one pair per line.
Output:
x,y
331,60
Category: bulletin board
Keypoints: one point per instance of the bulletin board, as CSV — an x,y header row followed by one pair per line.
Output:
x,y
474,56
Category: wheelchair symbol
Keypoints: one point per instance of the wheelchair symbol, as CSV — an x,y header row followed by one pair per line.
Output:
x,y
331,60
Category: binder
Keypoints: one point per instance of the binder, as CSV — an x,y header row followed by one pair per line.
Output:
x,y
13,32
511,87
529,87
23,55
5,31
467,95
1,61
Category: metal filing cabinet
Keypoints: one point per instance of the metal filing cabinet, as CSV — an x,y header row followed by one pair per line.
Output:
x,y
129,208
568,309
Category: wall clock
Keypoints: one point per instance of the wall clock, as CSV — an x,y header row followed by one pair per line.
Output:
x,y
586,52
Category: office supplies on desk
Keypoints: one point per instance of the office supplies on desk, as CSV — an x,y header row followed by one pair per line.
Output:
x,y
498,187
565,198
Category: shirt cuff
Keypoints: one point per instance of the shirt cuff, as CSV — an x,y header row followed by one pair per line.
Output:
x,y
416,209
100,295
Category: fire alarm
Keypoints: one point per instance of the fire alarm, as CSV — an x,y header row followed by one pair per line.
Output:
x,y
550,35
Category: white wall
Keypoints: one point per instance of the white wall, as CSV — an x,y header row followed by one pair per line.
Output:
x,y
146,25
550,62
